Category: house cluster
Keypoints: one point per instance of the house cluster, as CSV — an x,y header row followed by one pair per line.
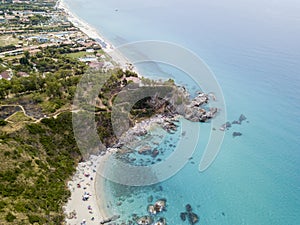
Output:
x,y
56,30
22,17
52,29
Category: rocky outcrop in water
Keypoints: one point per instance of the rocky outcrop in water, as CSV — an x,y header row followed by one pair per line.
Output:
x,y
242,118
144,220
145,150
169,126
178,102
161,221
228,125
236,134
194,110
192,217
225,126
111,219
183,216
159,206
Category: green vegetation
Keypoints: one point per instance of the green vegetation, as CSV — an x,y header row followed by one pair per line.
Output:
x,y
37,7
39,154
18,117
52,85
37,161
77,55
7,40
40,157
2,123
38,19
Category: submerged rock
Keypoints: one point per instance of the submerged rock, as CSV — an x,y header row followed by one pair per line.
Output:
x,y
242,118
193,218
146,150
150,199
228,124
155,153
111,219
161,221
188,208
225,126
183,216
236,134
236,122
130,200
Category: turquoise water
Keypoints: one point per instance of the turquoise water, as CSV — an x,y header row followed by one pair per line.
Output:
x,y
254,50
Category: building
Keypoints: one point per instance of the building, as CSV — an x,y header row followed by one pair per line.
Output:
x,y
6,75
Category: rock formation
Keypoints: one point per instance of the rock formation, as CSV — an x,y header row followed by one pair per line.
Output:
x,y
190,215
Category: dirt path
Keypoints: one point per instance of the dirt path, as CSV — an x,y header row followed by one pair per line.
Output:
x,y
54,115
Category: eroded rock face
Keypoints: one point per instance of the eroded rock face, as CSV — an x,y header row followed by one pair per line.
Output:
x,y
192,110
195,113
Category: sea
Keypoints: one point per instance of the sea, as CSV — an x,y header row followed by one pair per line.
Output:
x,y
253,50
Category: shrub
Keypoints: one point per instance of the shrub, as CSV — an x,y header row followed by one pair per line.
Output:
x,y
10,217
35,219
2,122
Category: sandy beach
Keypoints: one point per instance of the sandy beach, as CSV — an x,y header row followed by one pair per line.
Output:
x,y
87,204
91,32
84,204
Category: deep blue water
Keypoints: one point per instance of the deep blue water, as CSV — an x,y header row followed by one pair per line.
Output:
x,y
253,48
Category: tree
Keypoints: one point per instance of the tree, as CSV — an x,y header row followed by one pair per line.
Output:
x,y
10,217
5,87
27,55
24,61
53,89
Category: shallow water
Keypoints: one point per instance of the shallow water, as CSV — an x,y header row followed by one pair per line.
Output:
x,y
253,49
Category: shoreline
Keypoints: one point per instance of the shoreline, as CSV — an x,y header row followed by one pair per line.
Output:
x,y
93,33
87,182
90,200
83,205
76,210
